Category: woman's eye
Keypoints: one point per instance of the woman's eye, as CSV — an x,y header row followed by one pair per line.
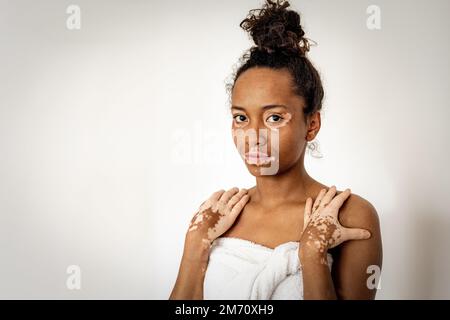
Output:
x,y
240,118
276,118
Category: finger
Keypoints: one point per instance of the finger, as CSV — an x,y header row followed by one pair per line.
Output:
x,y
337,202
239,206
307,213
211,200
216,195
328,196
205,205
228,194
355,234
234,199
319,199
194,217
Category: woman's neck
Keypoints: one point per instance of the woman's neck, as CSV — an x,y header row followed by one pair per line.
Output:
x,y
293,185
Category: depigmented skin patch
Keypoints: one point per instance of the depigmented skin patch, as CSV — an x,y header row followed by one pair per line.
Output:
x,y
218,213
253,147
285,117
321,227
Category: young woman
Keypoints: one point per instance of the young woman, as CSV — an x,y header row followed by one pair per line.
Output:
x,y
290,236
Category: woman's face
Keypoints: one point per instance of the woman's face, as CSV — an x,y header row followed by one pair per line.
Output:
x,y
264,106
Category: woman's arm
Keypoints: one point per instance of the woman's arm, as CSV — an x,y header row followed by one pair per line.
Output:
x,y
356,261
317,281
323,231
189,283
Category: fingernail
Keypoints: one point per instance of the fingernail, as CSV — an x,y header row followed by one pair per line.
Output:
x,y
367,234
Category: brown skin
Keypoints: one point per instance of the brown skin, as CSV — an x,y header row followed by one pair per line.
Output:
x,y
275,211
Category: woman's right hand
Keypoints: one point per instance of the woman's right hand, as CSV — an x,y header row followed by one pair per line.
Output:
x,y
217,214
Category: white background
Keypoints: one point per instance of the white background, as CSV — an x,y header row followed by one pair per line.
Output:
x,y
92,122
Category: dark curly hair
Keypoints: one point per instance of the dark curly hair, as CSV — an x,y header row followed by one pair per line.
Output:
x,y
280,44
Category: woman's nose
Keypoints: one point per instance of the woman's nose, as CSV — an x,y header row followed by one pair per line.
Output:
x,y
259,131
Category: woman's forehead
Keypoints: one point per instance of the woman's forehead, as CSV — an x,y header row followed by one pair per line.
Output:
x,y
259,87
263,80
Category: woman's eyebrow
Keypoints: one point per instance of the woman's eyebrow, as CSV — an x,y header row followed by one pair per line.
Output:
x,y
270,106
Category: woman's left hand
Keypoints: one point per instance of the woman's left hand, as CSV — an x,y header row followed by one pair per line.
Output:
x,y
321,227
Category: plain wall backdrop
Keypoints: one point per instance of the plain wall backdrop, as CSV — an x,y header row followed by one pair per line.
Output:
x,y
112,135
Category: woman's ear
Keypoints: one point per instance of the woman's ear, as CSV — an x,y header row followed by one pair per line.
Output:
x,y
313,126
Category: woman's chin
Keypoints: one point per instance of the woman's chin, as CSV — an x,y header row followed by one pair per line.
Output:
x,y
258,169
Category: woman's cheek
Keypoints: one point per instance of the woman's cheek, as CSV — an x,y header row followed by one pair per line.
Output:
x,y
288,147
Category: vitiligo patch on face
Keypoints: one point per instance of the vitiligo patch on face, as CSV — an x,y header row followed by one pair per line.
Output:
x,y
258,157
286,117
256,152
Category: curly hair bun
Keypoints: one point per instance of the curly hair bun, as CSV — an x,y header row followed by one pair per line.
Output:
x,y
275,28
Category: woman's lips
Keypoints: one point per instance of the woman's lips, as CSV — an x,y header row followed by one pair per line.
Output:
x,y
255,157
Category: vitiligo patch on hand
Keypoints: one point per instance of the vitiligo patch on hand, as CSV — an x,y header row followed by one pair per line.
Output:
x,y
218,214
323,229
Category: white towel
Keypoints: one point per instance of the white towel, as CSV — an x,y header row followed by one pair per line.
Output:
x,y
243,270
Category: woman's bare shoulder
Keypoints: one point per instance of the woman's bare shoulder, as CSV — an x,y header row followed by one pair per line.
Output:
x,y
358,212
355,208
